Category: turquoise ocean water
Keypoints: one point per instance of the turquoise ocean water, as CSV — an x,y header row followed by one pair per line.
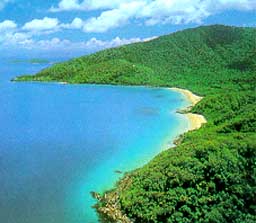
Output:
x,y
60,142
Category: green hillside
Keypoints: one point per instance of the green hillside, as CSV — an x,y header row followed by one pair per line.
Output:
x,y
182,59
211,175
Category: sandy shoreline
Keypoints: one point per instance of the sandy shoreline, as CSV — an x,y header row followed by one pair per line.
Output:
x,y
195,120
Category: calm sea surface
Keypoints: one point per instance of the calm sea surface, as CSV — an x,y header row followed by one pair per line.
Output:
x,y
59,142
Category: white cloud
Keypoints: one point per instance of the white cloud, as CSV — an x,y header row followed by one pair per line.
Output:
x,y
45,24
7,25
113,18
77,23
114,13
17,38
3,3
68,5
7,28
151,12
96,44
25,41
106,4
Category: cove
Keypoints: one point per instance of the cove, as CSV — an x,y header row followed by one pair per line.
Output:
x,y
60,142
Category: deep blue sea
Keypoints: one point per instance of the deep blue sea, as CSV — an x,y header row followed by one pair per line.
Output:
x,y
60,142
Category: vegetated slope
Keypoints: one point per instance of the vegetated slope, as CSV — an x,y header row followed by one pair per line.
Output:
x,y
185,58
211,175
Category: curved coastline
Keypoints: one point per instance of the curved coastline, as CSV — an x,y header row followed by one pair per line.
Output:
x,y
110,198
195,120
211,164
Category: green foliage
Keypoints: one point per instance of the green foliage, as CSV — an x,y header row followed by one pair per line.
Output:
x,y
214,56
211,176
204,180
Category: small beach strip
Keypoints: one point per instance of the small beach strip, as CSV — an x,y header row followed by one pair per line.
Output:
x,y
195,120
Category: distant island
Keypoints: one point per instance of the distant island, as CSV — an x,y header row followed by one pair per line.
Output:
x,y
33,61
210,176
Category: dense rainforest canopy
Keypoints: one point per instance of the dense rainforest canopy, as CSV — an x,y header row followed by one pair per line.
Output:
x,y
211,175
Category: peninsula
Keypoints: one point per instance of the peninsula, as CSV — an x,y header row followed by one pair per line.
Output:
x,y
210,176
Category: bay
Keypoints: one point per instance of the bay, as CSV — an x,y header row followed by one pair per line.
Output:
x,y
60,142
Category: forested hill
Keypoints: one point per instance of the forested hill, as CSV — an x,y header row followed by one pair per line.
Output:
x,y
183,59
210,177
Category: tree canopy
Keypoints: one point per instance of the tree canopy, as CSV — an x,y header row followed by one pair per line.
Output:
x,y
211,175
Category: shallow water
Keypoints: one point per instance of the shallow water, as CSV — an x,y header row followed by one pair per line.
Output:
x,y
60,142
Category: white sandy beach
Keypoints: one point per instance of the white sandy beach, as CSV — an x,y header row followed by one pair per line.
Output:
x,y
195,120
